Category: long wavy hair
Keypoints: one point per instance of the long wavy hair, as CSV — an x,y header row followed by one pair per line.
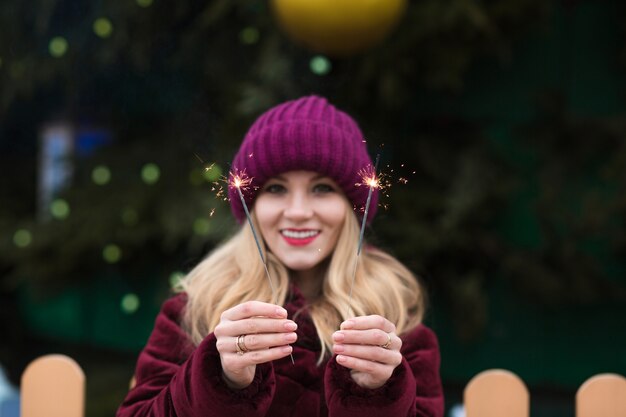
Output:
x,y
227,277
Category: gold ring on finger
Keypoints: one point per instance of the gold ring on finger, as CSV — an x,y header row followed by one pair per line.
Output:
x,y
387,343
241,344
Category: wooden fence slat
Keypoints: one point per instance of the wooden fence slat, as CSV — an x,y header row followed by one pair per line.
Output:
x,y
496,393
602,395
53,386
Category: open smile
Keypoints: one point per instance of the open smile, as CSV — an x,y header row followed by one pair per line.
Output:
x,y
299,237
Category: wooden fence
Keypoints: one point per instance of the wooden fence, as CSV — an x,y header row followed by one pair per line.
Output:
x,y
497,393
54,386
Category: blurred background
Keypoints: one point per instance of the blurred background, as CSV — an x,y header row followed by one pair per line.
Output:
x,y
501,125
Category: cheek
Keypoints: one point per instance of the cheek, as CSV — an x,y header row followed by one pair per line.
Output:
x,y
266,215
335,215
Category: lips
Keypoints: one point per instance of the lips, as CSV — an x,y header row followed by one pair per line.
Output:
x,y
299,237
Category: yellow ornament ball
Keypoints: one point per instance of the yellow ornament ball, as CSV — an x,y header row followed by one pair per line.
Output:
x,y
338,27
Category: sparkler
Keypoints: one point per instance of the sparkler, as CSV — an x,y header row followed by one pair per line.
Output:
x,y
239,181
372,181
243,181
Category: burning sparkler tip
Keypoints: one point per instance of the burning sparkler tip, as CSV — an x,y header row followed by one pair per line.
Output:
x,y
239,180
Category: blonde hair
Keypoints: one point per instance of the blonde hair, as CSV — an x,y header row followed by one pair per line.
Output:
x,y
227,277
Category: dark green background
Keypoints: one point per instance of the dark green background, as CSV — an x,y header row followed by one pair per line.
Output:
x,y
573,57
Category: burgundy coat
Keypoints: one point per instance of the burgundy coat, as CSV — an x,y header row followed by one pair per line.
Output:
x,y
176,379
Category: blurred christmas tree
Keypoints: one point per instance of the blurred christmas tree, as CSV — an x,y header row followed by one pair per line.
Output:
x,y
175,84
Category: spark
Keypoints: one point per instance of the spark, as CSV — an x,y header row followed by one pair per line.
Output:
x,y
383,181
239,181
199,159
373,180
218,188
368,178
212,212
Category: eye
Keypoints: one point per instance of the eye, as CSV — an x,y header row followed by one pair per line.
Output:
x,y
323,188
274,189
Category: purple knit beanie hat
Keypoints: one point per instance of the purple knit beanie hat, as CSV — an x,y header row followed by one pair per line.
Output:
x,y
307,134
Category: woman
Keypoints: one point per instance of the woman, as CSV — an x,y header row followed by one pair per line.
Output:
x,y
222,346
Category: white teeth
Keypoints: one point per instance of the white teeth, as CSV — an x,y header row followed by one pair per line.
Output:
x,y
299,235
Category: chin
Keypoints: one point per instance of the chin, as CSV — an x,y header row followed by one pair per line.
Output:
x,y
304,265
300,266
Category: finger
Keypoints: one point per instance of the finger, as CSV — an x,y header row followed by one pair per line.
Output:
x,y
373,337
377,370
254,308
255,357
370,353
264,341
255,341
369,322
259,325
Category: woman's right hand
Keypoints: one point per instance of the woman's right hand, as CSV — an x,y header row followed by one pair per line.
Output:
x,y
266,332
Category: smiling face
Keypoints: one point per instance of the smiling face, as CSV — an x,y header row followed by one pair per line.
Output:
x,y
300,215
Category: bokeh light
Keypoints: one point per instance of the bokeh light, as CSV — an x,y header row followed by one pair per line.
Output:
x,y
112,253
201,226
249,35
103,27
150,173
101,175
58,46
175,278
144,3
213,173
130,303
320,65
60,209
22,238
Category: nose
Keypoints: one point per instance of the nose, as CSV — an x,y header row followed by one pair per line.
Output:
x,y
298,207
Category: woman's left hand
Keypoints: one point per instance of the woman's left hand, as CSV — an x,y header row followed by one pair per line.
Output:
x,y
370,348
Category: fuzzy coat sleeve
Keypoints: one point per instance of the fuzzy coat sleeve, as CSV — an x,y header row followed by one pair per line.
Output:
x,y
172,379
414,388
